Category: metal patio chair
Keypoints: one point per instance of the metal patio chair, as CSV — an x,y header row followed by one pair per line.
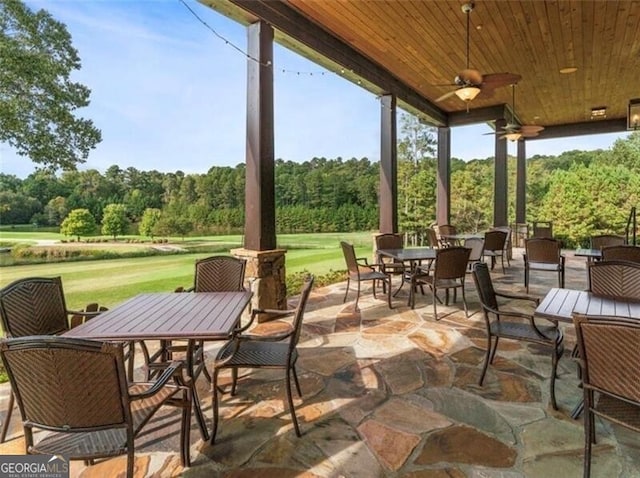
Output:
x,y
621,253
77,390
514,325
494,246
543,254
359,270
610,364
36,306
263,351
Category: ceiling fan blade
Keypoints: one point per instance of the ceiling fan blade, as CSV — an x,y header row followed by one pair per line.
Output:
x,y
470,76
529,135
496,80
445,96
531,128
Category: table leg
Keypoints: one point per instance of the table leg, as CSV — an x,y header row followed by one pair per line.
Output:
x,y
196,400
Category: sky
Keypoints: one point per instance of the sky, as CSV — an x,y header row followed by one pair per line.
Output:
x,y
169,93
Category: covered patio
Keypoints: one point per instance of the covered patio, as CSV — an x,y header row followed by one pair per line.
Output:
x,y
392,393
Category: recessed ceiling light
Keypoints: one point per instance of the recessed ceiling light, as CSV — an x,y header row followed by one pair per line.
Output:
x,y
568,69
598,112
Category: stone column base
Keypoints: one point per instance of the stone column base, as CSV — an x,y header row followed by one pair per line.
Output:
x,y
266,273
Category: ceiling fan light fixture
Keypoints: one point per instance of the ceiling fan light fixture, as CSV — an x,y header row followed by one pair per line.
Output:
x,y
513,136
467,93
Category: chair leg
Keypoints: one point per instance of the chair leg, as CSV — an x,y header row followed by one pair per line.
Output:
x,y
346,292
502,261
486,360
185,431
214,404
7,420
588,432
234,380
494,349
295,379
554,371
290,400
434,296
464,303
526,277
389,293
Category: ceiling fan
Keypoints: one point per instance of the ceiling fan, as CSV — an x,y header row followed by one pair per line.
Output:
x,y
514,131
470,82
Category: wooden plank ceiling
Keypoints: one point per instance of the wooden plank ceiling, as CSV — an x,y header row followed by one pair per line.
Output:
x,y
423,45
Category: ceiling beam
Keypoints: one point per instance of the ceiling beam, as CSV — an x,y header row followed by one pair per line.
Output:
x,y
288,21
479,115
617,125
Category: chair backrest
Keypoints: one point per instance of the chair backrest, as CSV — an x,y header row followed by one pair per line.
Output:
x,y
495,240
615,279
219,274
447,230
33,306
610,354
451,262
484,286
299,313
542,229
389,241
432,238
543,250
621,253
67,384
476,245
350,258
598,242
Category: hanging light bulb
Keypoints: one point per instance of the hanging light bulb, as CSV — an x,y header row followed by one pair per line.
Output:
x,y
514,136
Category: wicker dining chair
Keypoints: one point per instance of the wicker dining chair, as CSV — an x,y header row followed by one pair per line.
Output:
x,y
277,351
494,242
449,272
212,274
359,270
447,230
390,241
36,306
543,254
621,253
514,325
77,390
610,363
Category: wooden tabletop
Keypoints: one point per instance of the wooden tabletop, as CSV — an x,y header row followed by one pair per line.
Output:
x,y
561,304
409,254
169,315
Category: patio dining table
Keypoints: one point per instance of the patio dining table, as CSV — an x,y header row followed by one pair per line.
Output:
x,y
170,316
560,305
590,254
413,255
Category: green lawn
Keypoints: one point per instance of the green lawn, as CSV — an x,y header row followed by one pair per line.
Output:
x,y
112,281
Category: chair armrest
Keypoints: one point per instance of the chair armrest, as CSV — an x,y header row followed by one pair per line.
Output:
x,y
83,313
535,300
174,369
279,313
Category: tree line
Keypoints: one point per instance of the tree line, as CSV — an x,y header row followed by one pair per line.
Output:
x,y
583,193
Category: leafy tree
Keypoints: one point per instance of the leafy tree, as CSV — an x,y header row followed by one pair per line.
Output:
x,y
17,208
114,220
55,211
78,223
37,96
150,218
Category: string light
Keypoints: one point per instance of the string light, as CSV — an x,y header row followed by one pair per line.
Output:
x,y
245,54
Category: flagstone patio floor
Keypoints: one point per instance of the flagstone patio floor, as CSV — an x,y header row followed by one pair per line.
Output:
x,y
392,393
